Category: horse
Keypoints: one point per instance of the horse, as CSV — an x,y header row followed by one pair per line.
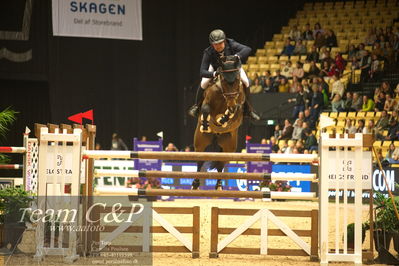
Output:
x,y
221,113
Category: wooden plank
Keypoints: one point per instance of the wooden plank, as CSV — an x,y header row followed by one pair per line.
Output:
x,y
281,213
196,232
314,241
214,232
263,232
154,229
271,232
270,251
173,210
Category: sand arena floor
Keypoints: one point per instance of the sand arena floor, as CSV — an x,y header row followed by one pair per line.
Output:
x,y
28,245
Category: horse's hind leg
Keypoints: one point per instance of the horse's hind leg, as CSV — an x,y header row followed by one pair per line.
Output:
x,y
228,143
201,141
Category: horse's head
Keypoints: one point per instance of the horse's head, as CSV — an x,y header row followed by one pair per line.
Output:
x,y
230,79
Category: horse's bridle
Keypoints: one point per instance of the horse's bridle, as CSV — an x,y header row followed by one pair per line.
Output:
x,y
229,95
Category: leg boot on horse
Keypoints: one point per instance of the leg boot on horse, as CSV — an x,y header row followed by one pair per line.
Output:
x,y
194,110
248,108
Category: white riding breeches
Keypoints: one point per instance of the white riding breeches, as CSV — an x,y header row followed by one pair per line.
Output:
x,y
243,75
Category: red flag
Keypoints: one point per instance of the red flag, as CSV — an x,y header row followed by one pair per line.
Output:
x,y
247,138
76,118
88,115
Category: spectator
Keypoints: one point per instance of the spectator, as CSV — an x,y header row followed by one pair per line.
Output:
x,y
277,79
263,141
314,71
277,132
332,71
269,86
323,54
284,86
390,103
305,126
117,143
274,145
308,33
295,34
377,50
365,65
290,148
337,104
360,126
317,103
355,64
287,130
352,52
368,104
299,100
392,154
337,87
317,29
348,101
294,85
300,48
287,70
307,117
349,126
319,41
97,147
288,48
265,76
386,88
299,146
298,71
369,129
187,149
379,103
311,141
331,39
375,68
357,102
256,87
361,52
389,55
171,147
324,70
392,130
301,117
382,123
340,62
328,58
313,55
371,37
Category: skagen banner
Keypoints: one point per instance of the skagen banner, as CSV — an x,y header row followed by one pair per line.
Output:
x,y
112,19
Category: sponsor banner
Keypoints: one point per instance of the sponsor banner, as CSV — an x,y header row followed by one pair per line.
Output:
x,y
296,186
147,164
256,167
113,19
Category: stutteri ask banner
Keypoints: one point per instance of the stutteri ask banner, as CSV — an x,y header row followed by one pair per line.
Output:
x,y
112,19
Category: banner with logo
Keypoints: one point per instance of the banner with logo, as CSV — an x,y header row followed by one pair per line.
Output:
x,y
147,164
258,167
113,19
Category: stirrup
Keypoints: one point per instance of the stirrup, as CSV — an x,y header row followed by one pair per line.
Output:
x,y
193,111
254,116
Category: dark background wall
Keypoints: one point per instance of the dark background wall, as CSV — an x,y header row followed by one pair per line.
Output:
x,y
135,87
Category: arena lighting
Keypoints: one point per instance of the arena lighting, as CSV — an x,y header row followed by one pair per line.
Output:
x,y
270,122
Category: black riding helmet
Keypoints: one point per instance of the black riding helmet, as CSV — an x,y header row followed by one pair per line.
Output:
x,y
217,36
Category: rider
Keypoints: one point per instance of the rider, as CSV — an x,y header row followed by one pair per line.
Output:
x,y
221,46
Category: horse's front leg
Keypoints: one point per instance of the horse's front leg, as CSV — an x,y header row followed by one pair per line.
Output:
x,y
229,114
205,118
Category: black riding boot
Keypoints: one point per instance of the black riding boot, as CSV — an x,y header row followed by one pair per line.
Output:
x,y
194,110
248,108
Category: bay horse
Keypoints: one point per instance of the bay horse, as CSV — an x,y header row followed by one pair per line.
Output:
x,y
221,114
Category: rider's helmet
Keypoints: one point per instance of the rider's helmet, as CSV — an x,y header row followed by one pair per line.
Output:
x,y
217,36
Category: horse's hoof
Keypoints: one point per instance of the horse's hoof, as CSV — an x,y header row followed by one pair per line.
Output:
x,y
205,130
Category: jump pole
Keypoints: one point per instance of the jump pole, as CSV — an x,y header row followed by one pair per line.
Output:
x,y
12,166
110,191
201,156
208,175
4,149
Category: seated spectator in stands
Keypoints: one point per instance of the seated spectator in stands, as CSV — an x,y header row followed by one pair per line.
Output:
x,y
316,103
284,86
308,33
278,131
288,48
256,87
361,51
393,130
299,146
265,76
368,104
369,129
337,104
317,29
360,126
357,102
300,48
311,141
171,147
287,130
274,145
319,40
268,87
355,63
340,62
352,52
392,155
349,126
327,58
263,141
313,55
314,71
301,117
382,123
331,39
365,65
323,54
386,88
277,79
375,69
307,116
295,34
324,70
332,72
377,50
187,149
290,148
371,37
299,100
287,70
376,94
379,102
305,126
294,85
348,101
390,103
395,115
298,71
389,55
337,87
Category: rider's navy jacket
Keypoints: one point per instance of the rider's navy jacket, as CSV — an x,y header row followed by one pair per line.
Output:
x,y
211,57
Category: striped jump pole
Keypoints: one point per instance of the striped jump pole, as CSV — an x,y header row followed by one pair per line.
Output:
x,y
112,191
11,166
209,175
4,149
201,156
